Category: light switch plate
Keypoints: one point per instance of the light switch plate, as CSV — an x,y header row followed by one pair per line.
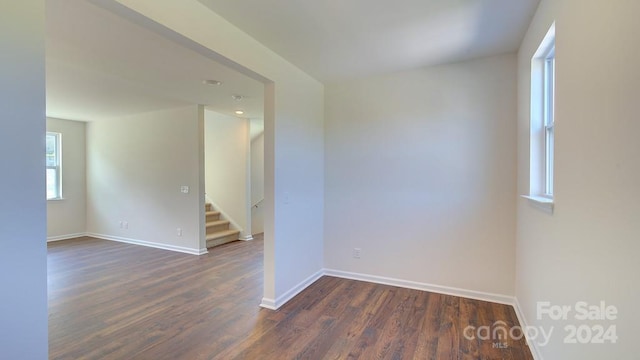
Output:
x,y
184,189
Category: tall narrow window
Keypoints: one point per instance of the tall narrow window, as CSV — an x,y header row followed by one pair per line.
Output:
x,y
542,122
549,97
53,161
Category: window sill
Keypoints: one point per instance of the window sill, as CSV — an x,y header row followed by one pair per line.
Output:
x,y
542,203
56,199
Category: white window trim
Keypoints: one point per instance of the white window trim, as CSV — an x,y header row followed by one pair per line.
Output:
x,y
542,125
543,203
58,166
548,121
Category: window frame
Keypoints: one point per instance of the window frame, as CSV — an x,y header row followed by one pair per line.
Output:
x,y
57,168
542,124
549,119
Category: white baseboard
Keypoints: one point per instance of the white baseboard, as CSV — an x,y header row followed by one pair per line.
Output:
x,y
275,304
471,294
65,237
181,249
268,303
523,324
284,298
246,238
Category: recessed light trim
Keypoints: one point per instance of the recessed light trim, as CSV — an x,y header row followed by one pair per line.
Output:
x,y
212,82
239,112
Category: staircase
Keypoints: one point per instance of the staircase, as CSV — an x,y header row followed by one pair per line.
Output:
x,y
218,231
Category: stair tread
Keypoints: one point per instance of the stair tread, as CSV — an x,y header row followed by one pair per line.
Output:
x,y
223,233
217,222
212,212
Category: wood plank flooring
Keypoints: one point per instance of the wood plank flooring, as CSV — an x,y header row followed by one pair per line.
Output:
x,y
109,300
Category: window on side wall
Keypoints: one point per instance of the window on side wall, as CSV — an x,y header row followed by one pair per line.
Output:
x,y
54,169
543,74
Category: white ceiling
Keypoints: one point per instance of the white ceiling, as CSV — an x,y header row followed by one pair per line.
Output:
x,y
101,66
338,39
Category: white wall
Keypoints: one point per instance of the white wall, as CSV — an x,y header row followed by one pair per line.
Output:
x,y
257,184
226,155
23,258
135,168
294,154
67,218
588,249
420,174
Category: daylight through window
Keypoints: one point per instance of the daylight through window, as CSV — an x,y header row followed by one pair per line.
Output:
x,y
53,161
543,80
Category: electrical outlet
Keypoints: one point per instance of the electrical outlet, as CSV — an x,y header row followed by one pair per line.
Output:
x,y
179,231
121,225
356,253
125,224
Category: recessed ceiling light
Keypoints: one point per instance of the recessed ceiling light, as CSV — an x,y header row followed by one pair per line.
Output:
x,y
212,82
239,112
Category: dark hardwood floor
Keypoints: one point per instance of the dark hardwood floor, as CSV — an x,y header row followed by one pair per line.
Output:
x,y
109,300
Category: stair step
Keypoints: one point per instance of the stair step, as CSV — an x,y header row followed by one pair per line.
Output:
x,y
224,233
222,237
217,225
212,215
208,207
